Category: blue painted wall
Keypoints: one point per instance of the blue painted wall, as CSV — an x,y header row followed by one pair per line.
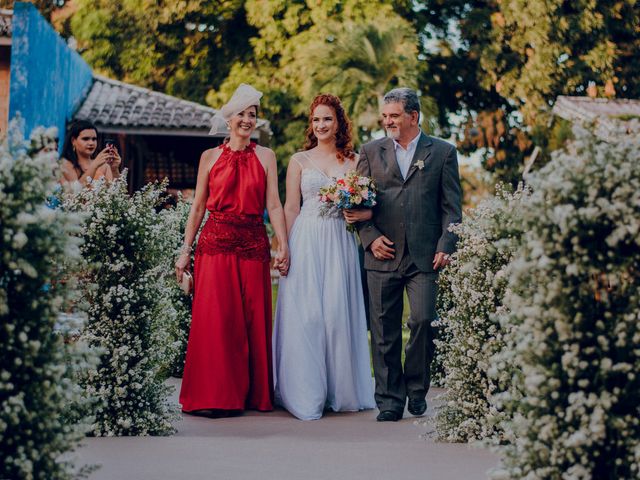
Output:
x,y
48,79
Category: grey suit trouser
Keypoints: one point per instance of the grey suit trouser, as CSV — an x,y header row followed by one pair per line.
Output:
x,y
393,384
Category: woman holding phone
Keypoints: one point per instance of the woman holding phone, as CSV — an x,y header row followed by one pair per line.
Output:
x,y
79,160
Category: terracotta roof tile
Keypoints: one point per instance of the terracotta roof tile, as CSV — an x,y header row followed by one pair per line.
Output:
x,y
612,117
111,103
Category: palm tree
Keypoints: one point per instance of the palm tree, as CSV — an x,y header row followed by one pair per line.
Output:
x,y
359,63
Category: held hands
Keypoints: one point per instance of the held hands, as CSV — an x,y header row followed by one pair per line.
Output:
x,y
353,215
281,262
382,248
441,260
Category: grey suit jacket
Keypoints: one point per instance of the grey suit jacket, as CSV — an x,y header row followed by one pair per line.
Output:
x,y
414,213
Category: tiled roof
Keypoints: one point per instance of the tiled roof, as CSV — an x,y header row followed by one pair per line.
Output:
x,y
118,105
6,21
612,117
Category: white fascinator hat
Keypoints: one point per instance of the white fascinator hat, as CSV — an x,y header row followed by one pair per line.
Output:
x,y
244,97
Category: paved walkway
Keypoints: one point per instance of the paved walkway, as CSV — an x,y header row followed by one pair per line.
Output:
x,y
276,446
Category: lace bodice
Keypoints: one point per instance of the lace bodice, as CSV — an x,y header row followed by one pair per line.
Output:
x,y
312,179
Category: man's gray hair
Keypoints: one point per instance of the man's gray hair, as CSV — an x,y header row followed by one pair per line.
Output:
x,y
406,96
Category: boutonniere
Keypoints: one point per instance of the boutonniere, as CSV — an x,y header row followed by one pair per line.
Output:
x,y
420,164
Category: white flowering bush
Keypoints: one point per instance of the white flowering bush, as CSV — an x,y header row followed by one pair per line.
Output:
x,y
471,292
129,307
441,339
37,367
573,304
44,139
177,306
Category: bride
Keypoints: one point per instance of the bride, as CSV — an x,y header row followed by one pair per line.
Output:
x,y
321,355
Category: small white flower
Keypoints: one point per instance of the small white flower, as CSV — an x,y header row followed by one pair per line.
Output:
x,y
20,239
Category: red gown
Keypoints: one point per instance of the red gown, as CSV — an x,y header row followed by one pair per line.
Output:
x,y
228,364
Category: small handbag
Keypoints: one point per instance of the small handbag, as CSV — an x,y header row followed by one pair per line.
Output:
x,y
186,283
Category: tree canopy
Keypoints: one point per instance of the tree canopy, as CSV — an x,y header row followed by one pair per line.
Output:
x,y
487,71
180,47
499,65
302,48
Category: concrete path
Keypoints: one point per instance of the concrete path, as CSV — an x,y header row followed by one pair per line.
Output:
x,y
276,446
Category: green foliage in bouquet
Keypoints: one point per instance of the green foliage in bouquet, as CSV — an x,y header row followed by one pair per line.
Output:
x,y
37,367
573,300
472,290
126,289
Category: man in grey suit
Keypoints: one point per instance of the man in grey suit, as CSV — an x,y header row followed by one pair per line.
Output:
x,y
406,242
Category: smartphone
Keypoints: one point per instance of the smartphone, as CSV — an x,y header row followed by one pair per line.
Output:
x,y
110,143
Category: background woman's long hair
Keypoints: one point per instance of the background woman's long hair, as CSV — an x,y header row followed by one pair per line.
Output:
x,y
74,131
344,136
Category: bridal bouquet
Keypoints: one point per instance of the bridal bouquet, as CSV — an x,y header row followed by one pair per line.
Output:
x,y
350,191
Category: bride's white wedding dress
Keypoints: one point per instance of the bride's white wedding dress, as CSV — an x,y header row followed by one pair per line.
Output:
x,y
321,354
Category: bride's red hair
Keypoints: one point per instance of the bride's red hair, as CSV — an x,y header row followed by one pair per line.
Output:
x,y
344,137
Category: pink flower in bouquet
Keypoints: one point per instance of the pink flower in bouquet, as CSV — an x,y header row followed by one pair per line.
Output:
x,y
350,191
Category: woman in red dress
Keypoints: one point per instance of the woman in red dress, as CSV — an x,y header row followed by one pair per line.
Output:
x,y
228,366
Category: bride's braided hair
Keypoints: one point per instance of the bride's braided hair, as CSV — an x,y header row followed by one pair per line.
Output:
x,y
344,136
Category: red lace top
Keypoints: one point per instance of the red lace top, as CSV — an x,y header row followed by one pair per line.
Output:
x,y
236,202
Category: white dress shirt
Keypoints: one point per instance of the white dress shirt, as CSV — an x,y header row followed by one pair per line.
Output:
x,y
404,157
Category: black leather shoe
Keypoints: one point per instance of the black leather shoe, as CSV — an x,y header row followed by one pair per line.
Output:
x,y
417,406
388,416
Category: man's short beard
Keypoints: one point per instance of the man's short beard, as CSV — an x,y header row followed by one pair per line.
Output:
x,y
393,133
